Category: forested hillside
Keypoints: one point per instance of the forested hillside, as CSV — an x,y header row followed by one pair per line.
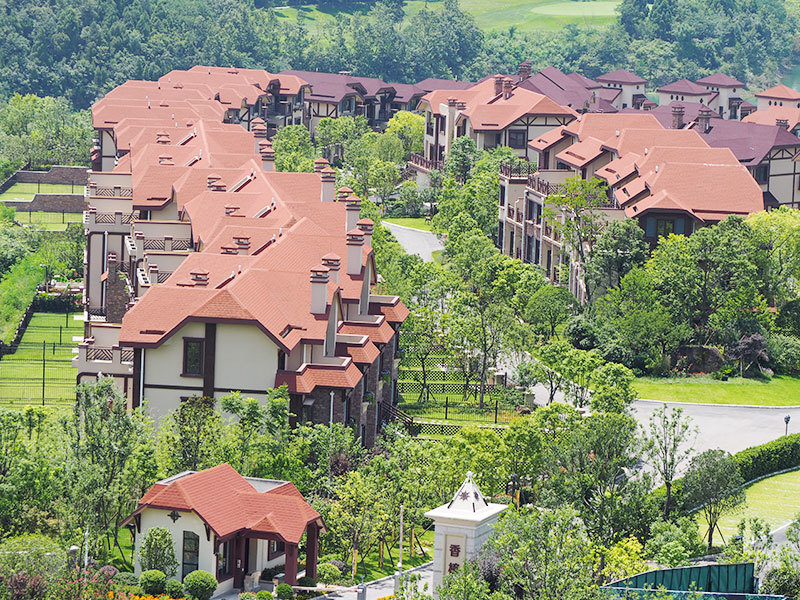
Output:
x,y
79,49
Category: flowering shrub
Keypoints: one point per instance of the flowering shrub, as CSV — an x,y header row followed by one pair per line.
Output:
x,y
85,585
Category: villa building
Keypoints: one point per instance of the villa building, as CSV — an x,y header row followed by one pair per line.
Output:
x,y
207,272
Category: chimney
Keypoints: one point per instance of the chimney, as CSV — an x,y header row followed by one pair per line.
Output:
x,y
215,183
242,243
116,296
704,119
267,155
153,274
461,105
342,193
355,242
524,70
230,210
507,85
162,138
199,278
498,85
677,117
366,226
319,289
320,164
782,123
259,129
353,212
328,178
333,262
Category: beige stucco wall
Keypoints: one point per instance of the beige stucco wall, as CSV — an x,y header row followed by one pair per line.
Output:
x,y
245,359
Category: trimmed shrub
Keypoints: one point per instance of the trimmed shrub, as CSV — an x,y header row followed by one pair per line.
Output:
x,y
777,455
158,551
247,596
284,591
269,574
264,595
328,573
108,572
340,564
124,578
307,582
153,582
784,353
174,588
200,585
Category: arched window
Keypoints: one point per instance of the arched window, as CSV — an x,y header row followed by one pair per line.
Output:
x,y
191,552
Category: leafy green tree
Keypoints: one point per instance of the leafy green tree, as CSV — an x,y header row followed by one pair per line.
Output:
x,y
383,179
293,149
612,388
158,552
460,159
669,446
549,307
672,544
466,583
190,436
713,485
618,249
409,127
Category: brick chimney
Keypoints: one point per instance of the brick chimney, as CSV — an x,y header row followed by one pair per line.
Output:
x,y
355,242
677,117
267,155
199,278
524,70
333,262
782,123
342,193
507,86
116,296
498,85
259,129
353,212
704,119
366,226
328,178
320,164
319,289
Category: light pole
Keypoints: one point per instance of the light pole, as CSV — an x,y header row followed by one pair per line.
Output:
x,y
786,420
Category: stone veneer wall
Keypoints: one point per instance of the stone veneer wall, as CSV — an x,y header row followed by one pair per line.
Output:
x,y
73,203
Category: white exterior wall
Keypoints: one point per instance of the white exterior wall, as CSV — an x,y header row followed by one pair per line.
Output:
x,y
665,98
450,531
245,358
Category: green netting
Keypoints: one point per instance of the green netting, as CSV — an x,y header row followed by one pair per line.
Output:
x,y
628,593
717,579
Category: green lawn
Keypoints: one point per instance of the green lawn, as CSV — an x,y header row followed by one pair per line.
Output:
x,y
24,192
438,256
50,221
524,15
414,223
776,500
780,391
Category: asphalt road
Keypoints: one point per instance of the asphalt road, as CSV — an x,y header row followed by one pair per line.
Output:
x,y
415,241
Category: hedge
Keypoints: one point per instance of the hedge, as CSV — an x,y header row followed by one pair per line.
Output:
x,y
774,456
17,290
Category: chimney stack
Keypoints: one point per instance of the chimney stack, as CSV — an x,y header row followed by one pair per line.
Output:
x,y
507,85
353,212
366,226
319,289
199,278
704,119
116,296
677,117
267,155
355,242
320,164
342,193
333,262
328,178
498,85
242,243
259,129
524,70
215,183
782,123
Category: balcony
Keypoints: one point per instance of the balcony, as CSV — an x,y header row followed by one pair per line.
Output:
x,y
426,164
546,182
103,354
517,169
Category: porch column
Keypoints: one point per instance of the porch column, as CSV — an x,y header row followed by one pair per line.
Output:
x,y
312,548
238,561
290,569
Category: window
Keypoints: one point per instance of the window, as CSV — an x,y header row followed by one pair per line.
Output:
x,y
275,549
224,561
664,227
281,360
516,138
193,357
762,173
500,235
502,195
191,552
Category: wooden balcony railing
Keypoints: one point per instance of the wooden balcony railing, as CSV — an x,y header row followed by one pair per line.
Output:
x,y
539,185
426,163
518,169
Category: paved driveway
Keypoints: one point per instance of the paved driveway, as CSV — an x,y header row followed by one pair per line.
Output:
x,y
415,241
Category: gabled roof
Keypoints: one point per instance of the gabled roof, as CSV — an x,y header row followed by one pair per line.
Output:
x,y
621,76
335,87
749,141
683,86
781,92
432,83
229,503
720,80
772,114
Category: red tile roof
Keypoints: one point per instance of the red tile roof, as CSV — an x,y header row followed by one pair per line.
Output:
x,y
229,504
720,80
781,92
683,86
621,76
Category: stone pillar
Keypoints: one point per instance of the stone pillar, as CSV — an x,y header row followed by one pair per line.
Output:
x,y
460,529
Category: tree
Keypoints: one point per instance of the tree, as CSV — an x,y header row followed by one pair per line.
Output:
x,y
425,329
549,366
158,552
669,445
549,307
618,249
383,178
612,388
409,127
459,160
293,149
190,436
541,554
775,250
466,583
713,485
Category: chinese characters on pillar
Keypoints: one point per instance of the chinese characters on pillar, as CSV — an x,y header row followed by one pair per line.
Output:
x,y
454,551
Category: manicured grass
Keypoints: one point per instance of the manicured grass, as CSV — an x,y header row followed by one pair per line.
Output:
x,y
524,15
50,221
24,192
776,500
438,256
780,391
414,223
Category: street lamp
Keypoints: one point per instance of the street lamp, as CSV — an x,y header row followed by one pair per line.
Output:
x,y
786,420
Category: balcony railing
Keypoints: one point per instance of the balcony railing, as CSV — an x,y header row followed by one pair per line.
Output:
x,y
426,163
92,217
110,192
167,244
539,185
518,169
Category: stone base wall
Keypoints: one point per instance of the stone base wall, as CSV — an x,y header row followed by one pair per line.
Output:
x,y
74,203
57,174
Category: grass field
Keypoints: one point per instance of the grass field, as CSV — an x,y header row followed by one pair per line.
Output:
x,y
51,221
524,15
24,192
780,391
417,223
21,372
776,500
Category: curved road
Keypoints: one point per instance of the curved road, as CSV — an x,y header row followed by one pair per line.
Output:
x,y
415,241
